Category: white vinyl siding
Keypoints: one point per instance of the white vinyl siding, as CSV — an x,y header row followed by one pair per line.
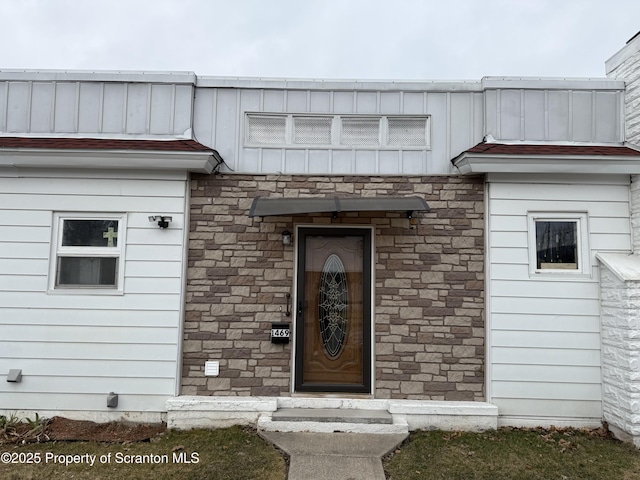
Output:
x,y
544,359
74,348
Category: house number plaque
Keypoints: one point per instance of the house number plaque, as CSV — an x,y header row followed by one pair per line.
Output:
x,y
280,332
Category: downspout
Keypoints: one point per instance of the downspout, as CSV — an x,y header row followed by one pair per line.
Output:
x,y
487,292
183,285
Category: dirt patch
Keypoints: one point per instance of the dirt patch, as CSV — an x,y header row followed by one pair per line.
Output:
x,y
64,429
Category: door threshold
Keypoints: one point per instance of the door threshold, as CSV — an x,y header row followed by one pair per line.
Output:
x,y
358,396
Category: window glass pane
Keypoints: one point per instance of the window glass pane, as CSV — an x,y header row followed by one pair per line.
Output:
x,y
360,131
87,271
556,245
407,131
262,129
90,233
312,130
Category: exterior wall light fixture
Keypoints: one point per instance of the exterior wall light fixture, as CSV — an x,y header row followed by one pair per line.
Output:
x,y
163,220
286,238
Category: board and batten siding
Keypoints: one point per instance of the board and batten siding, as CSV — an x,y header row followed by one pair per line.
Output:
x,y
544,358
455,125
73,349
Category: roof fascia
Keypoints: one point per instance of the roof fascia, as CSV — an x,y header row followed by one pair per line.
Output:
x,y
198,162
541,83
98,76
470,163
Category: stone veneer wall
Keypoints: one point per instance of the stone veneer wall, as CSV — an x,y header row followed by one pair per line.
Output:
x,y
429,285
620,301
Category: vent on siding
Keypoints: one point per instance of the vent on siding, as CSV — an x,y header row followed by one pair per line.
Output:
x,y
360,131
312,130
407,131
264,129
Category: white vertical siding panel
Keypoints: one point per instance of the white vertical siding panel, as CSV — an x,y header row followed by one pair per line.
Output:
x,y
510,114
343,102
540,326
113,99
491,125
389,103
271,160
250,160
460,122
582,116
389,162
250,100
558,108
412,103
297,101
17,107
41,106
90,108
65,108
137,108
366,102
342,161
161,109
437,105
477,125
606,108
319,161
365,161
295,161
273,100
320,102
534,118
4,94
204,115
183,109
226,133
413,163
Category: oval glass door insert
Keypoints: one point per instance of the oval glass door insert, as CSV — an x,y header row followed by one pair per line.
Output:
x,y
332,305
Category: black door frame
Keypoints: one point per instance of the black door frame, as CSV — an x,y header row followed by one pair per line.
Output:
x,y
367,320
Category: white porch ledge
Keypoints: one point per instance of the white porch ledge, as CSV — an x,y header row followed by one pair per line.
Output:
x,y
195,412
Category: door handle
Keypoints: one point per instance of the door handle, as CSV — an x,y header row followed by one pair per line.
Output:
x,y
300,308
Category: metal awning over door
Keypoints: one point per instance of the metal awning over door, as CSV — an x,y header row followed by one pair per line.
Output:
x,y
267,207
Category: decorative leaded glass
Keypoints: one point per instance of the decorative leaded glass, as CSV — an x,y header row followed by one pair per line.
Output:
x,y
332,305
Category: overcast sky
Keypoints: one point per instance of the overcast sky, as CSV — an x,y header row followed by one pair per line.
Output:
x,y
348,39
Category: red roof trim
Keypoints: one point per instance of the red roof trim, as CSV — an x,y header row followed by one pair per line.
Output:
x,y
103,144
553,150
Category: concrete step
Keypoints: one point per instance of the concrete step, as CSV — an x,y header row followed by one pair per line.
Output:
x,y
340,415
329,420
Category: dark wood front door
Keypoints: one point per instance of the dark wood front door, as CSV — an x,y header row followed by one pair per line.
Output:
x,y
333,314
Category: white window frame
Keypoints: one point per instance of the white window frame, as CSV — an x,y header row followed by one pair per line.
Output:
x,y
582,242
57,250
336,131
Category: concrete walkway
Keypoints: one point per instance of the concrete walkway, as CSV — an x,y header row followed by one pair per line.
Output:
x,y
335,456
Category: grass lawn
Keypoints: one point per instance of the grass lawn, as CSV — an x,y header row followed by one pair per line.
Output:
x,y
231,453
237,453
514,454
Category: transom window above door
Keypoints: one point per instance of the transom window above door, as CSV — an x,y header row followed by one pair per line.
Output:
x,y
338,131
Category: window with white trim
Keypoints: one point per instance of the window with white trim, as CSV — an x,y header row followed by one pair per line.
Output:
x,y
337,131
88,252
558,243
